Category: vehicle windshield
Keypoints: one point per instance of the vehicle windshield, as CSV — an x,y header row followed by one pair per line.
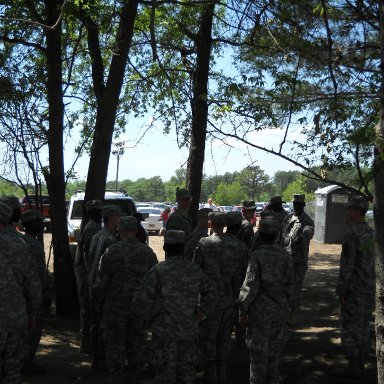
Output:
x,y
126,205
155,211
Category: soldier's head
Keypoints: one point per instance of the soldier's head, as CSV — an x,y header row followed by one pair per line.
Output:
x,y
127,227
111,216
33,222
202,217
276,204
94,209
14,203
183,198
356,209
248,209
174,242
5,214
298,203
217,221
269,226
234,220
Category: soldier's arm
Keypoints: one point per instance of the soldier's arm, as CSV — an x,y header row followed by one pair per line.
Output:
x,y
32,286
208,292
347,264
250,287
290,290
198,253
308,228
103,277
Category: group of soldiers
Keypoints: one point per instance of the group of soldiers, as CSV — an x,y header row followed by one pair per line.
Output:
x,y
208,286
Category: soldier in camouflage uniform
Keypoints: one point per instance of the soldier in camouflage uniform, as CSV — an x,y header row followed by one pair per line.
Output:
x,y
199,232
356,286
82,271
169,296
179,219
246,232
99,243
276,205
20,298
122,269
222,264
265,302
33,223
234,221
296,233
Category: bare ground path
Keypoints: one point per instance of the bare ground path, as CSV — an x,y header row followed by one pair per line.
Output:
x,y
312,356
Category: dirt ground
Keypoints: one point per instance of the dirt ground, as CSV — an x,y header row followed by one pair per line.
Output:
x,y
312,356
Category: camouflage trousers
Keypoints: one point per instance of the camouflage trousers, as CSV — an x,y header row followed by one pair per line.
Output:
x,y
174,361
355,317
215,336
266,339
11,353
122,339
32,339
299,270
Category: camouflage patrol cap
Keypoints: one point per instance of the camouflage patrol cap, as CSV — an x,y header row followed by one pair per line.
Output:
x,y
93,204
358,202
182,193
269,223
234,218
172,236
112,210
204,212
298,198
248,204
127,223
31,215
217,218
276,200
5,212
12,201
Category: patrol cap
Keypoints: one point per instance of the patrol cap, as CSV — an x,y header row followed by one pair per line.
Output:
x,y
217,218
298,198
234,218
248,204
269,223
203,212
12,201
182,193
276,200
5,212
31,215
112,210
358,202
172,236
93,204
128,222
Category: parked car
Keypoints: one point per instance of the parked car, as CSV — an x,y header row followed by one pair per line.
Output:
x,y
75,212
41,203
260,207
237,208
152,217
225,208
287,208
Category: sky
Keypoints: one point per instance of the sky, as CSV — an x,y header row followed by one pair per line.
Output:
x,y
159,155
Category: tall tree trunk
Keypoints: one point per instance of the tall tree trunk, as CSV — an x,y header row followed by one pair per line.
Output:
x,y
108,101
199,107
66,296
379,214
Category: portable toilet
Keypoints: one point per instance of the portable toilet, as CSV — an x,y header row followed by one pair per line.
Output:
x,y
330,207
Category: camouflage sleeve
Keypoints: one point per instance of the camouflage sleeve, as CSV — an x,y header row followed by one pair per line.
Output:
x,y
89,257
250,287
32,286
289,284
173,222
308,228
198,254
244,260
208,292
347,264
190,248
103,276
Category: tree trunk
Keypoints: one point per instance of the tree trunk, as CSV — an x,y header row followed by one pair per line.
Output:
x,y
108,105
379,214
65,285
199,105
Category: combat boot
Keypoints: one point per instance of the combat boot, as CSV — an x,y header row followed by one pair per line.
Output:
x,y
222,372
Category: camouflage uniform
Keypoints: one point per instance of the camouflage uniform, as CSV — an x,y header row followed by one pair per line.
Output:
x,y
246,233
122,268
170,294
295,236
197,234
20,296
82,271
181,221
265,297
223,266
357,285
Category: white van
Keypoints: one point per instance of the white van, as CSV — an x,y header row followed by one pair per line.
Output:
x,y
75,212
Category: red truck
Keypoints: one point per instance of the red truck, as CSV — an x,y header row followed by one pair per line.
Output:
x,y
30,202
